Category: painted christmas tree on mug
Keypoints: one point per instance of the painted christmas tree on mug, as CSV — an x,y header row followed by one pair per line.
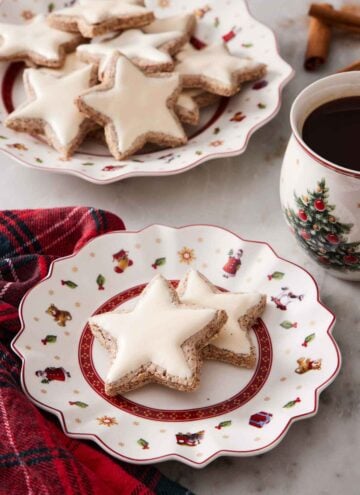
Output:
x,y
321,233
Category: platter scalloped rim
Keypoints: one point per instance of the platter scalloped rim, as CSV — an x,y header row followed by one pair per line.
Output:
x,y
220,134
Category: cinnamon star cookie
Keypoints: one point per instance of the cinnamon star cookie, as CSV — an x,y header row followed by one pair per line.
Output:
x,y
233,345
214,69
71,64
134,108
95,17
183,23
158,341
51,109
148,51
36,42
189,103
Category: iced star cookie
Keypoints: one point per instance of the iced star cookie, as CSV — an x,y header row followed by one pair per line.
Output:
x,y
96,17
233,344
148,51
214,69
134,108
51,110
71,64
183,23
159,341
189,103
36,42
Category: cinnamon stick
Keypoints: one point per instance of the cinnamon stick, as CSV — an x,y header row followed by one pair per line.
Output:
x,y
333,17
351,67
347,28
353,9
318,44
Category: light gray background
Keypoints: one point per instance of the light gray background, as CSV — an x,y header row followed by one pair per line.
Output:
x,y
320,455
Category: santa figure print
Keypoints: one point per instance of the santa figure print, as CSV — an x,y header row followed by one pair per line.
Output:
x,y
51,373
233,263
285,297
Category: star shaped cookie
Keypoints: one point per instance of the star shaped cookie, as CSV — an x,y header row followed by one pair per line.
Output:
x,y
144,50
121,104
185,23
36,42
96,17
233,345
51,109
189,103
71,64
158,341
214,69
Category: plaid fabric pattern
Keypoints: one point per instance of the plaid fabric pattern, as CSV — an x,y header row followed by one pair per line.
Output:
x,y
36,458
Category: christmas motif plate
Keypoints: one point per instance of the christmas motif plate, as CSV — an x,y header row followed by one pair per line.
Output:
x,y
235,411
224,129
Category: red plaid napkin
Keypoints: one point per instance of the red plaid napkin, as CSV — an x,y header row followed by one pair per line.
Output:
x,y
36,458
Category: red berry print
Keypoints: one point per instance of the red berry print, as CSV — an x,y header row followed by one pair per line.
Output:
x,y
305,235
319,205
332,238
260,84
302,215
351,259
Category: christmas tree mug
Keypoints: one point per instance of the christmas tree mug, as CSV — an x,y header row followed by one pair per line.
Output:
x,y
321,199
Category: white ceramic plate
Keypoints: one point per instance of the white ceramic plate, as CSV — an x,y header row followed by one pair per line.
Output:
x,y
224,129
235,411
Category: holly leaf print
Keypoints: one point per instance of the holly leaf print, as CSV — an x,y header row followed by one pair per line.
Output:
x,y
223,424
276,276
292,403
69,283
78,403
158,262
100,280
308,339
288,324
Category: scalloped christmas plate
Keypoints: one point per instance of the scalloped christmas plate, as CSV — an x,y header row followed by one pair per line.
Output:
x,y
235,411
224,129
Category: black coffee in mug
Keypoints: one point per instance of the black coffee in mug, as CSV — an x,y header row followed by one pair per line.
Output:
x,y
333,131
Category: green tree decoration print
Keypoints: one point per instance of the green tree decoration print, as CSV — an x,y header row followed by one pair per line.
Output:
x,y
322,234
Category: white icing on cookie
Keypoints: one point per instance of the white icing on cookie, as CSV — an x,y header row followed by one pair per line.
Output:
x,y
183,23
153,332
186,99
214,62
71,64
132,43
54,101
231,337
136,104
35,36
96,11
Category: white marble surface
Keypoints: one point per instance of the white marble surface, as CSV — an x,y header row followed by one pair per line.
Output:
x,y
319,455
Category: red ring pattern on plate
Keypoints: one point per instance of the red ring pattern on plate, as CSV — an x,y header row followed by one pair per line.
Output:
x,y
242,397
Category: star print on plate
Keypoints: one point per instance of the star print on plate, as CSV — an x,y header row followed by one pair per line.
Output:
x,y
214,68
95,17
36,41
121,105
143,49
158,341
233,343
51,108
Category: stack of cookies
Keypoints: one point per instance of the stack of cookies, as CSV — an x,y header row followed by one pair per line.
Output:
x,y
112,64
165,338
